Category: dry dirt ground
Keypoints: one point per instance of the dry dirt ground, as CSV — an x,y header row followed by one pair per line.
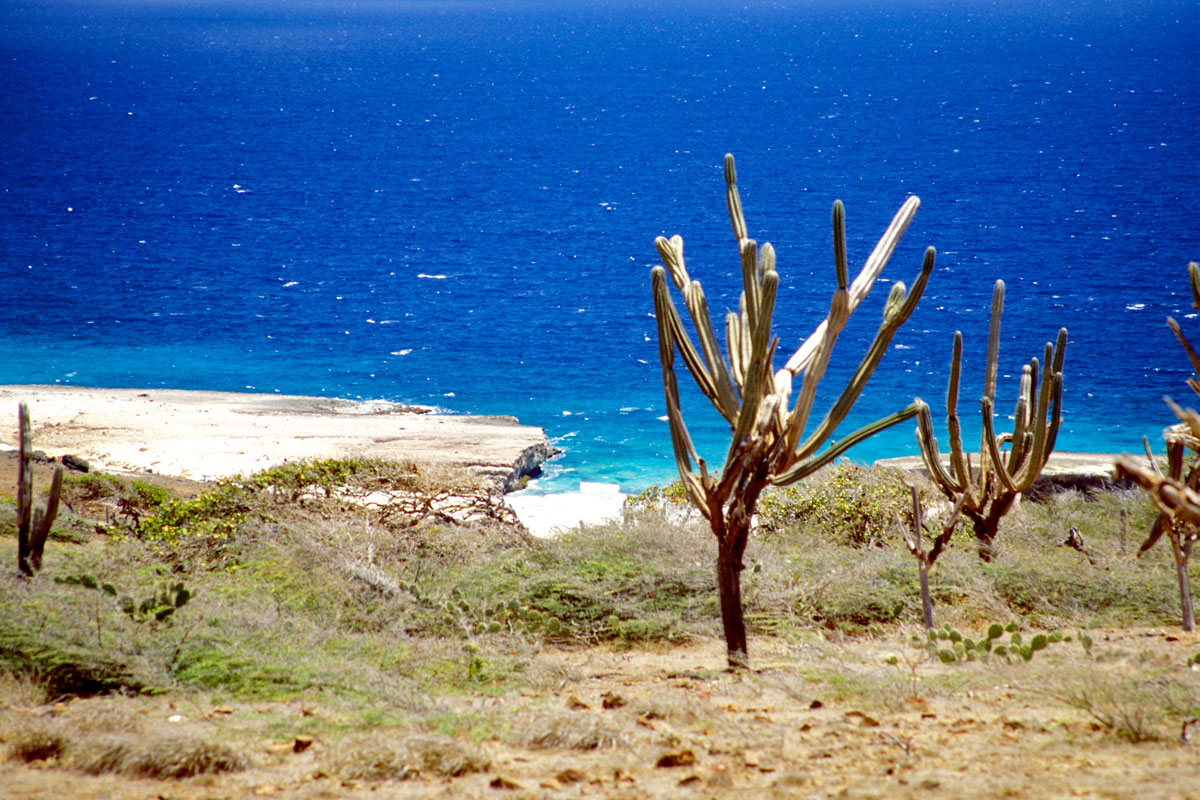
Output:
x,y
817,718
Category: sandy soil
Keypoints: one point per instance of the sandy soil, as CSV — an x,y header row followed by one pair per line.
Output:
x,y
818,719
1060,463
205,435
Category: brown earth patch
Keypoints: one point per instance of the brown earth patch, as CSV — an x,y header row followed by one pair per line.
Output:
x,y
819,718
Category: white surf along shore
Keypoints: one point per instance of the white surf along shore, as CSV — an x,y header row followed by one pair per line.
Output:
x,y
210,435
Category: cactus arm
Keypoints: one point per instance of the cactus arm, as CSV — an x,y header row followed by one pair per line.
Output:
x,y
987,436
665,310
1150,456
993,450
1172,498
733,339
766,261
734,200
750,284
993,351
671,253
1045,432
681,441
930,453
758,373
1190,419
24,489
806,468
685,453
839,310
727,397
1156,531
958,463
919,284
1060,350
44,521
897,310
1187,346
1055,418
1021,419
862,283
841,266
745,336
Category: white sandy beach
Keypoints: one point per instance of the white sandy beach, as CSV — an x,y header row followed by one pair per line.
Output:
x,y
206,435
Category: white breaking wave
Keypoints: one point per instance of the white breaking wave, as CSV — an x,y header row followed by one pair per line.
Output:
x,y
546,514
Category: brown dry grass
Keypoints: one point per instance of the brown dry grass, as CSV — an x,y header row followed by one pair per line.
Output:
x,y
383,758
824,716
580,729
159,756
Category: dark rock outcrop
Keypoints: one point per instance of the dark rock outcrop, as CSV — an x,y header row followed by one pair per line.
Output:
x,y
529,464
75,463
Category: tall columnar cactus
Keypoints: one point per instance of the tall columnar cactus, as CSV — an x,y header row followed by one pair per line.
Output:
x,y
33,524
771,442
1177,494
989,491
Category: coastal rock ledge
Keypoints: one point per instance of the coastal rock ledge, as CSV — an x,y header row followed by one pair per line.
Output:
x,y
207,435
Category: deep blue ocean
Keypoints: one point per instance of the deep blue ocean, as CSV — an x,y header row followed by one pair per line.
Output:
x,y
454,203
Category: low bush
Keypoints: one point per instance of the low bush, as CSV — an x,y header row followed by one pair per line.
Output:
x,y
847,505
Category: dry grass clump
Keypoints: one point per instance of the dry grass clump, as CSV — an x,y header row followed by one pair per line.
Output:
x,y
100,715
368,758
38,740
173,755
549,676
445,755
20,690
672,709
546,729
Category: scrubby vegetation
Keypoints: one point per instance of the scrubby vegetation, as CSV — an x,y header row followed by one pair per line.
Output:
x,y
301,586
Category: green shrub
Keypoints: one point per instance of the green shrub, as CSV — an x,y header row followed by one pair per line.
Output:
x,y
847,505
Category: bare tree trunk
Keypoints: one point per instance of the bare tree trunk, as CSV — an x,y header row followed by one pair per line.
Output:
x,y
986,526
1182,556
732,531
926,600
985,538
729,583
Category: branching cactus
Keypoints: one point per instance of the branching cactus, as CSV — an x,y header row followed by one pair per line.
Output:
x,y
1177,494
33,524
772,442
1178,501
989,492
927,558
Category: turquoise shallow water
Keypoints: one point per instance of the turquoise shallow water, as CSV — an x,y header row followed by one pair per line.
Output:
x,y
455,204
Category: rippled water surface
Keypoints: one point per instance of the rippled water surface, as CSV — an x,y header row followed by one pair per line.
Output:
x,y
454,203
